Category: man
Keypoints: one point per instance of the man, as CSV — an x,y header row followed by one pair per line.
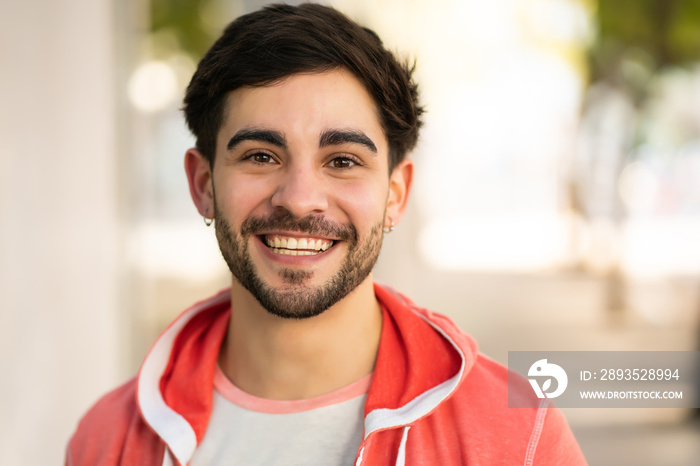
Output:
x,y
303,122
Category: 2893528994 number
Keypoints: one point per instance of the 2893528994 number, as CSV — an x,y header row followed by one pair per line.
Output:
x,y
639,374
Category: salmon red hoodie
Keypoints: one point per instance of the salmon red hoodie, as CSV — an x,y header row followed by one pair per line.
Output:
x,y
433,400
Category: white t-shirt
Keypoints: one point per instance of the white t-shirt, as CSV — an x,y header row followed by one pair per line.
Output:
x,y
246,430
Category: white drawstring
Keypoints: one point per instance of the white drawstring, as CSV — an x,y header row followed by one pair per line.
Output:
x,y
167,460
359,457
401,456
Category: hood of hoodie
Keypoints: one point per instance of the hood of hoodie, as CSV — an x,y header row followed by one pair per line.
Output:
x,y
176,380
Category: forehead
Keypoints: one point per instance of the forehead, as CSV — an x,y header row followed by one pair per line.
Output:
x,y
302,106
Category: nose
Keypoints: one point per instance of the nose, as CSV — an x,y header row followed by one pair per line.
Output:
x,y
301,191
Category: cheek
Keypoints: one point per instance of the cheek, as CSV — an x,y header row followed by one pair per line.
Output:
x,y
364,203
240,196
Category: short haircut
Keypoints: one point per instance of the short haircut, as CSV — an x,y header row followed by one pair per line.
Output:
x,y
266,46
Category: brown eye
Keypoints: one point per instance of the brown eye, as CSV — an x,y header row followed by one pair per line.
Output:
x,y
261,158
342,163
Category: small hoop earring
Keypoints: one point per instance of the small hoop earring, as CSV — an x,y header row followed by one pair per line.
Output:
x,y
207,221
390,228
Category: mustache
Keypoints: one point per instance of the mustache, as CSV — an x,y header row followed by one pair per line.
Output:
x,y
312,225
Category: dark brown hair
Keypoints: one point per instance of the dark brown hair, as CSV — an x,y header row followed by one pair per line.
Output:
x,y
264,47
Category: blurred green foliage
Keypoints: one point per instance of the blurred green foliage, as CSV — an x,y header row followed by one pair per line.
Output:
x,y
655,33
183,19
665,32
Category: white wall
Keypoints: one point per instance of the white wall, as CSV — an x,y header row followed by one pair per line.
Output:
x,y
59,237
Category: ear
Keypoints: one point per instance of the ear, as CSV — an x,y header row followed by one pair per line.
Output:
x,y
400,183
199,178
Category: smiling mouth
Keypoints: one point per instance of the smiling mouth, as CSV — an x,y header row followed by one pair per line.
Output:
x,y
290,246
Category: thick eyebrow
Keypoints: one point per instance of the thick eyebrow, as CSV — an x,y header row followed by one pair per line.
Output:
x,y
261,135
336,137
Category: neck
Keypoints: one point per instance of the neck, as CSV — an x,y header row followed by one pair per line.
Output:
x,y
290,359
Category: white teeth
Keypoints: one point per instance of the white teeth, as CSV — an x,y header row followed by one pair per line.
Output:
x,y
294,252
304,246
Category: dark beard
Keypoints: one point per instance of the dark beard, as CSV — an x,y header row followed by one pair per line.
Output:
x,y
296,301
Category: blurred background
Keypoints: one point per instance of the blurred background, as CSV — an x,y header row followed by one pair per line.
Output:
x,y
556,205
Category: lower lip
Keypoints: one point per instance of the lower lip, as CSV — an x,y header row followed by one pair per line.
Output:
x,y
288,259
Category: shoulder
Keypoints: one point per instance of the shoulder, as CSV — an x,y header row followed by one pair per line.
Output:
x,y
536,431
114,408
102,431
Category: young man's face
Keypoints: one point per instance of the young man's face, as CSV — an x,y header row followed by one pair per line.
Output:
x,y
301,189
